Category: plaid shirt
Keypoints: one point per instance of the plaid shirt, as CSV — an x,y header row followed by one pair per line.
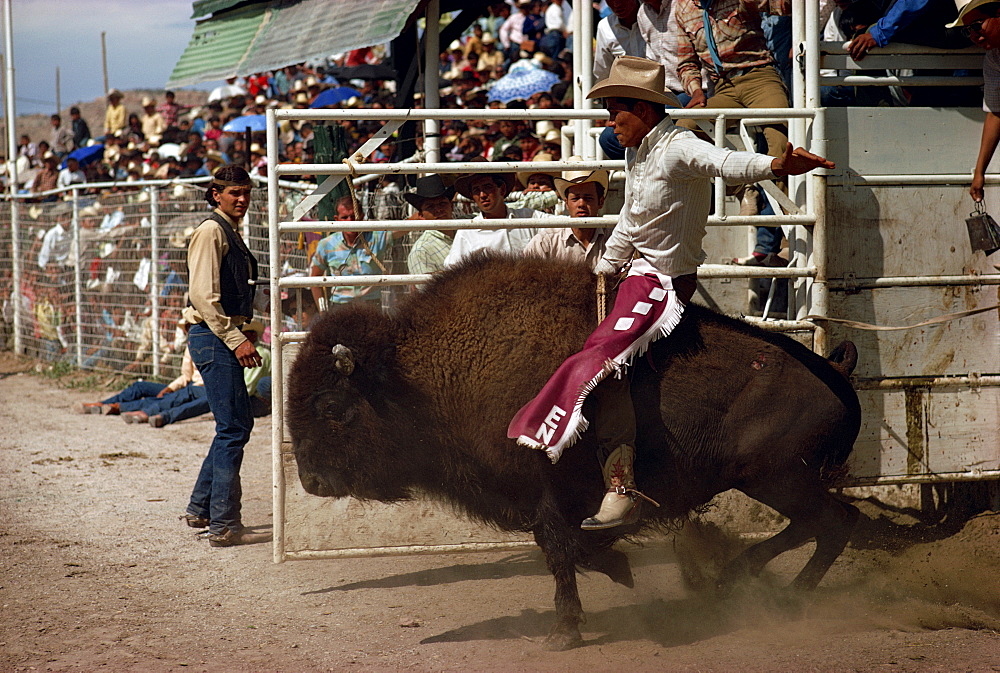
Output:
x,y
738,36
429,252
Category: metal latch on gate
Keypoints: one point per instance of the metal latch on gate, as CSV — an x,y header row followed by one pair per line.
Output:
x,y
975,381
851,283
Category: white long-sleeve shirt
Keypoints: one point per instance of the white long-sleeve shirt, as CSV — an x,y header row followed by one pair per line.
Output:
x,y
559,17
659,30
513,241
668,195
614,40
58,247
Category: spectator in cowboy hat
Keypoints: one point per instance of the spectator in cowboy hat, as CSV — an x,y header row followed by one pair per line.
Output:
x,y
537,181
538,190
583,193
432,201
114,114
488,191
152,121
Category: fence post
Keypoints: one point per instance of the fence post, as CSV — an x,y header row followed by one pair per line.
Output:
x,y
78,277
154,275
15,247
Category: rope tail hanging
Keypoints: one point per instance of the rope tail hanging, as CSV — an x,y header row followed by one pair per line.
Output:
x,y
602,297
358,215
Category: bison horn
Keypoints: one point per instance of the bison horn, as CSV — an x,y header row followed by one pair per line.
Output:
x,y
343,359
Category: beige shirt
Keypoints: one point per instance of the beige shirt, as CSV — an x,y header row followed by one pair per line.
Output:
x,y
564,245
207,248
114,118
189,374
153,126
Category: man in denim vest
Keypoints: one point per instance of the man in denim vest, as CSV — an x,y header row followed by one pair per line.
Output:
x,y
221,272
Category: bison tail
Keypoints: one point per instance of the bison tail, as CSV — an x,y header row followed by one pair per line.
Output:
x,y
844,358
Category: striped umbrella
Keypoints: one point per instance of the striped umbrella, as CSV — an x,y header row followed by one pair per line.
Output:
x,y
522,84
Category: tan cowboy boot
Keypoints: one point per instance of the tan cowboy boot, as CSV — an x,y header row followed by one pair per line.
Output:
x,y
620,504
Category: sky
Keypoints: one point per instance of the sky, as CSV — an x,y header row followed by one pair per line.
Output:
x,y
144,39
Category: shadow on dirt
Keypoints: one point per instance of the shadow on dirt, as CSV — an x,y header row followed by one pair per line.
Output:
x,y
516,565
668,623
526,564
945,512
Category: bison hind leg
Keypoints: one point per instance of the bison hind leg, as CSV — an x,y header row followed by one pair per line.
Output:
x,y
812,513
612,563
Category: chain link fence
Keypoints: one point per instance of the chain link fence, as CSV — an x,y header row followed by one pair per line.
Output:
x,y
103,278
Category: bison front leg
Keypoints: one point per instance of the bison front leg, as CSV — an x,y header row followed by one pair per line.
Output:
x,y
557,543
565,633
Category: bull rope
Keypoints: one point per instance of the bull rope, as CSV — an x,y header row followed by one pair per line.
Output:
x,y
602,298
357,208
889,328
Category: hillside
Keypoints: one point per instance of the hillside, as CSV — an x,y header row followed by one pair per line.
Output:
x,y
37,125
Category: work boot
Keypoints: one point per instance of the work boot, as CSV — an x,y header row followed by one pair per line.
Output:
x,y
135,417
194,520
112,409
86,407
231,538
621,502
157,421
748,204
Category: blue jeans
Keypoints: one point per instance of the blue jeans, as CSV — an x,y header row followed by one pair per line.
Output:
x,y
133,397
778,36
260,403
188,402
217,491
768,238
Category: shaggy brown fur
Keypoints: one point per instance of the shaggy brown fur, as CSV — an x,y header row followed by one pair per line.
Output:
x,y
719,405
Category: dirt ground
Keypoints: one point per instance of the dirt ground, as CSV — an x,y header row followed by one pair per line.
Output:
x,y
97,573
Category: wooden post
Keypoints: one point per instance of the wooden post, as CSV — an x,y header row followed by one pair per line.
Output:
x,y
246,154
3,87
104,62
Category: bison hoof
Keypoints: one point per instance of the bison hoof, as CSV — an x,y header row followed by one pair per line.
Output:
x,y
562,638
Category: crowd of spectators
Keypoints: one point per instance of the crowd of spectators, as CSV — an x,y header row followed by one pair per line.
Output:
x,y
157,138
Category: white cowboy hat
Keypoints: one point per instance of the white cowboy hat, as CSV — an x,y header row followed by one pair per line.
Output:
x,y
578,177
964,7
253,326
635,77
523,176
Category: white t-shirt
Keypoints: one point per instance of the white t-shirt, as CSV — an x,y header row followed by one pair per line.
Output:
x,y
512,241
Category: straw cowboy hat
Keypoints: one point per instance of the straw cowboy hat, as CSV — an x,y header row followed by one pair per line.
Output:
x,y
147,101
253,326
635,77
429,187
524,176
578,177
964,7
462,184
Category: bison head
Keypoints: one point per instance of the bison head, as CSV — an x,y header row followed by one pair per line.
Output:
x,y
344,424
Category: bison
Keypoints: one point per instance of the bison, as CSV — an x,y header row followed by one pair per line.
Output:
x,y
416,403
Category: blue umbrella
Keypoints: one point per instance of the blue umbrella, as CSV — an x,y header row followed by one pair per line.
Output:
x,y
85,155
240,124
522,84
333,96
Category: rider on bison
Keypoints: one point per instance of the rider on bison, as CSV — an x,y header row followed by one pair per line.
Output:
x,y
659,233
